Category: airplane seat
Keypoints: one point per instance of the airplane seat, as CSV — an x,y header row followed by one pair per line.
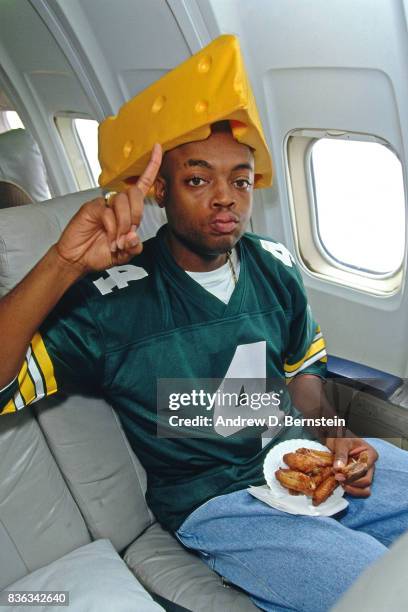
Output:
x,y
23,177
69,479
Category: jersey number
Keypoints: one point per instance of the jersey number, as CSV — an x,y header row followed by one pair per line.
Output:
x,y
119,277
279,251
249,362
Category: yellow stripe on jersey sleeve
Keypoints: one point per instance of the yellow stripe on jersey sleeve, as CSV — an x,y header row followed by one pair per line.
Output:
x,y
37,371
9,407
26,385
45,363
315,347
316,352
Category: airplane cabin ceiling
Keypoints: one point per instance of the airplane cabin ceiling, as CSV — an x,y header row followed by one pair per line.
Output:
x,y
146,35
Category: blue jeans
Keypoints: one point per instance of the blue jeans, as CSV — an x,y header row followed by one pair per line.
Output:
x,y
288,562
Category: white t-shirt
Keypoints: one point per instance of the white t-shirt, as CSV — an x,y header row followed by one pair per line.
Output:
x,y
219,282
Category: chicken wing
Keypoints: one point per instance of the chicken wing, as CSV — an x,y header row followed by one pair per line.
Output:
x,y
356,468
325,458
321,474
324,490
297,481
302,462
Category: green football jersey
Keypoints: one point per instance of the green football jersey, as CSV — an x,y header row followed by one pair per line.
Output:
x,y
123,331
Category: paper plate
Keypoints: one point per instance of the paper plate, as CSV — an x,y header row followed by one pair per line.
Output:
x,y
278,497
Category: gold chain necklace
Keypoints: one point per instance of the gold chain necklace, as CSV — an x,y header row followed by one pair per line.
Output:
x,y
232,268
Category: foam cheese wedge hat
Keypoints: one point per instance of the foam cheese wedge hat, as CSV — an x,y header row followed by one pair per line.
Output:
x,y
180,107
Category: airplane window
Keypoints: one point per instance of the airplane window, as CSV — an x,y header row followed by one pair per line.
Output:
x,y
13,120
87,130
79,136
359,204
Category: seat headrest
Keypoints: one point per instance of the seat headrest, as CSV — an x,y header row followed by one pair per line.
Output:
x,y
21,163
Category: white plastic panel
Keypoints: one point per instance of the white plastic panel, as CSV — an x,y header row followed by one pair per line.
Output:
x,y
353,99
56,92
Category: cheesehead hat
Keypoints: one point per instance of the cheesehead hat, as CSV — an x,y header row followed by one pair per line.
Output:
x,y
180,107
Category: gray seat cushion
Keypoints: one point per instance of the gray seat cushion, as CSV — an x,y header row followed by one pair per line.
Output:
x,y
163,566
39,519
96,579
104,476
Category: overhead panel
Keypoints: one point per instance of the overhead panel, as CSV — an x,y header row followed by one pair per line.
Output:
x,y
36,56
139,41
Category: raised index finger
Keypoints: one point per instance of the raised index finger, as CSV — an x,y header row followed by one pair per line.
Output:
x,y
147,179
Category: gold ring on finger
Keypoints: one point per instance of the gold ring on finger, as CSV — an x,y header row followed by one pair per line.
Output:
x,y
108,197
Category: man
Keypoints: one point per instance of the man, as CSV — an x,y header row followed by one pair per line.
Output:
x,y
186,305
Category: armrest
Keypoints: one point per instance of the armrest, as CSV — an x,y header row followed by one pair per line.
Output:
x,y
371,380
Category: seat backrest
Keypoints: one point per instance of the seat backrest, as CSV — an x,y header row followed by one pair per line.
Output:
x,y
68,473
103,474
27,232
39,519
22,167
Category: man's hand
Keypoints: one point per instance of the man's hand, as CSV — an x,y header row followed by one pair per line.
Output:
x,y
101,236
345,448
308,396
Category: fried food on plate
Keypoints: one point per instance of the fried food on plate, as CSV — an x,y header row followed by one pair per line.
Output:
x,y
324,490
356,468
306,462
310,472
320,474
300,462
325,458
296,481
